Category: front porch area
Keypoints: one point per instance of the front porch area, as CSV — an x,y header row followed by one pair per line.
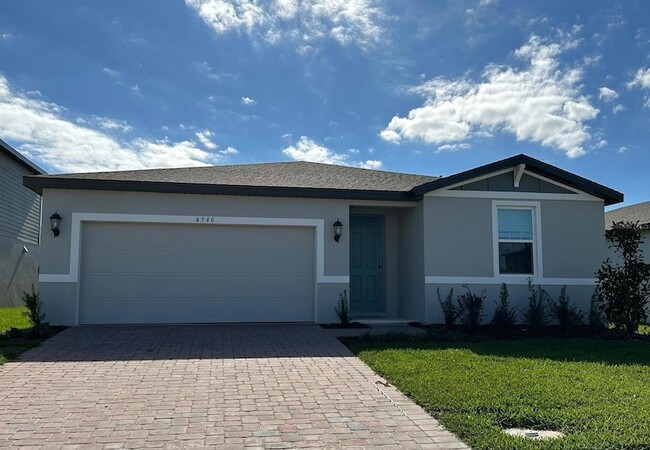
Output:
x,y
386,273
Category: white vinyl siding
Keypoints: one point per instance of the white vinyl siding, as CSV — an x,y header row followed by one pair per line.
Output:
x,y
20,208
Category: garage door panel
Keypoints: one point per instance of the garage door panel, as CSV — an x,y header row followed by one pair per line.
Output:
x,y
170,260
198,311
130,277
127,286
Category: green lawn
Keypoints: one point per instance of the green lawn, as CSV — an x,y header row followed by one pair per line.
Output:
x,y
13,318
597,392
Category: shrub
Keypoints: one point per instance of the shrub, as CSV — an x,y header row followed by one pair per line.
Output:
x,y
504,315
449,310
343,309
625,288
470,308
564,312
535,315
33,304
596,313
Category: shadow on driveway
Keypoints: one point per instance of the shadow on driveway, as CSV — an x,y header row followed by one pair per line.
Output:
x,y
165,342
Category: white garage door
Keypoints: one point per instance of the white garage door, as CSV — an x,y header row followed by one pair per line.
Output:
x,y
169,273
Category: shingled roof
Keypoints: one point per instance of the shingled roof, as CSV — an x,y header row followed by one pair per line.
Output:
x,y
639,212
302,179
285,178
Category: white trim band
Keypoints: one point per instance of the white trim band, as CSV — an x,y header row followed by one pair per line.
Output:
x,y
511,280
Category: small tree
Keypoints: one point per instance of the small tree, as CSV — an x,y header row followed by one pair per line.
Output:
x,y
566,314
504,315
625,287
470,308
449,309
343,309
535,315
33,304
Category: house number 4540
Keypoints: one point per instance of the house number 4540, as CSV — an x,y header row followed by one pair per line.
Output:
x,y
204,219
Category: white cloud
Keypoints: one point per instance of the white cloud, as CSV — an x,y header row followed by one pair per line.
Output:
x,y
136,89
454,147
618,108
622,149
540,102
247,101
41,130
373,164
204,138
607,94
641,80
6,37
600,144
308,150
305,21
112,72
488,2
229,151
110,124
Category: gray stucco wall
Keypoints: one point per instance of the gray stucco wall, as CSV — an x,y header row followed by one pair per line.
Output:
x,y
458,237
411,267
20,210
60,298
458,242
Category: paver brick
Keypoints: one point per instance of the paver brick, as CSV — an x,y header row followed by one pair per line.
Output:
x,y
216,386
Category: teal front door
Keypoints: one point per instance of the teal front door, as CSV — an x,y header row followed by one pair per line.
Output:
x,y
366,265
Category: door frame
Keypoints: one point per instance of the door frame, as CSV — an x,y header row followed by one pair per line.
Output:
x,y
382,241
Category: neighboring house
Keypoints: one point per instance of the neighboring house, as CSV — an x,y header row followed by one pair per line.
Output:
x,y
20,215
257,243
639,212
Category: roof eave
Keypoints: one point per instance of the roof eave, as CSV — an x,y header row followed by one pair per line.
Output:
x,y
610,196
37,184
20,159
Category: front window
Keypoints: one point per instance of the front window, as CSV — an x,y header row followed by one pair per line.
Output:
x,y
515,241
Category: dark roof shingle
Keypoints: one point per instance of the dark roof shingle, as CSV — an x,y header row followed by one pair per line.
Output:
x,y
639,212
300,178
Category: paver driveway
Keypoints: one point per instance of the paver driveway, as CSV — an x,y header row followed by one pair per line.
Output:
x,y
223,386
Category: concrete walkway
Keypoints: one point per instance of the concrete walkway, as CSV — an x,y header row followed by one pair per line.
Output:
x,y
225,386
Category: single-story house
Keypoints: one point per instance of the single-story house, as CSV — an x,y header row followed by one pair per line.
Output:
x,y
639,212
20,216
278,242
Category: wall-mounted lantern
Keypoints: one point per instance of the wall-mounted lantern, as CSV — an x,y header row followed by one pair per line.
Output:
x,y
338,230
55,223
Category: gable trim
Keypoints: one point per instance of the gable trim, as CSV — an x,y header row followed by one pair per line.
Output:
x,y
609,196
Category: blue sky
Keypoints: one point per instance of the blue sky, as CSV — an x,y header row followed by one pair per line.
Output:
x,y
428,87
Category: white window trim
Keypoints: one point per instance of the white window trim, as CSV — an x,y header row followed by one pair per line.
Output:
x,y
538,266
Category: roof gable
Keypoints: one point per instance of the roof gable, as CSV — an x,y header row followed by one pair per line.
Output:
x,y
20,159
544,171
